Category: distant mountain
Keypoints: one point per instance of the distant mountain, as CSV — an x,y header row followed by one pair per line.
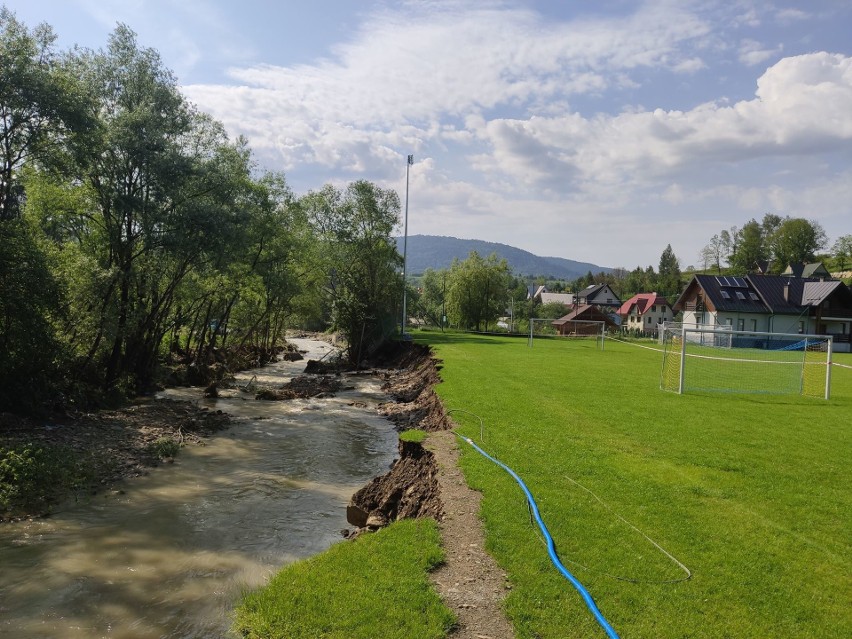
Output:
x,y
437,252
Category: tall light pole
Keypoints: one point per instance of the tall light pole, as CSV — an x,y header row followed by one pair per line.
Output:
x,y
404,321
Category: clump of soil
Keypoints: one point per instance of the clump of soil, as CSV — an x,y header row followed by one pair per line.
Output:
x,y
409,490
304,387
183,368
416,405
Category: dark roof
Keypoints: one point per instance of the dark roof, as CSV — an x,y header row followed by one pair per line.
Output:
x,y
776,294
593,289
801,293
584,312
801,269
590,290
731,294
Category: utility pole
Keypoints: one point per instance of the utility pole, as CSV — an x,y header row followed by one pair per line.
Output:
x,y
404,321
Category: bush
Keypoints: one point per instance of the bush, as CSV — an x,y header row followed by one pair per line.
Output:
x,y
165,447
31,476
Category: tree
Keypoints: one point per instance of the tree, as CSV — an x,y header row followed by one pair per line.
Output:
x,y
669,276
729,241
842,251
41,106
797,240
433,296
359,260
477,291
28,304
714,252
163,195
751,247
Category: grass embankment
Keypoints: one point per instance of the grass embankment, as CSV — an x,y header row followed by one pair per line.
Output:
x,y
750,492
376,586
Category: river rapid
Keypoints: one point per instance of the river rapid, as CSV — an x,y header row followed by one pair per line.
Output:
x,y
168,554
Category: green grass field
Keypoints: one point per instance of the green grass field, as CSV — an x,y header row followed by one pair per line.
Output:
x,y
376,586
750,492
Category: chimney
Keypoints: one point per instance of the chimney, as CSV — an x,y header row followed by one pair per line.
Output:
x,y
787,291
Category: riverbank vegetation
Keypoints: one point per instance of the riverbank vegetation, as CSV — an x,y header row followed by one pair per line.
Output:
x,y
138,241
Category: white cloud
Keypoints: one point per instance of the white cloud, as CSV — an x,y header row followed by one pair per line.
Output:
x,y
801,108
397,72
752,52
489,97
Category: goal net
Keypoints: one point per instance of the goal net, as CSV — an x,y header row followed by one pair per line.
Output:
x,y
593,331
703,359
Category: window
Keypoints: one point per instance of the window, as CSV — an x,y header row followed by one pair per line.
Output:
x,y
741,324
653,309
728,321
726,295
740,295
754,324
754,296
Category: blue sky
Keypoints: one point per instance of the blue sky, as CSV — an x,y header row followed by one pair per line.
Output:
x,y
596,131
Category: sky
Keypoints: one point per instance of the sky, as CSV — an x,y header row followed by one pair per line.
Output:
x,y
595,131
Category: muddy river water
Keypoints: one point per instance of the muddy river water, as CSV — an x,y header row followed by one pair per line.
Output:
x,y
167,555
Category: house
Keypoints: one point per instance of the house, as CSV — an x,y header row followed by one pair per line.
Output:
x,y
534,292
599,295
770,304
644,311
800,269
557,298
575,322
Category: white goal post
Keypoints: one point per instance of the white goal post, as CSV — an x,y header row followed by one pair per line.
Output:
x,y
572,329
714,360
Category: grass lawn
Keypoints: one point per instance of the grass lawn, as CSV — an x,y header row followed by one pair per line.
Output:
x,y
376,586
750,492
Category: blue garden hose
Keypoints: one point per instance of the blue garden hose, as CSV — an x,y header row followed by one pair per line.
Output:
x,y
551,546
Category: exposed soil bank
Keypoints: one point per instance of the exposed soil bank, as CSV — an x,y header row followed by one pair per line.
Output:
x,y
410,489
426,481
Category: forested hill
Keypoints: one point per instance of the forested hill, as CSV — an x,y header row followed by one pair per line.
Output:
x,y
438,252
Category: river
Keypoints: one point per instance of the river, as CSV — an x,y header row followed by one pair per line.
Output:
x,y
168,554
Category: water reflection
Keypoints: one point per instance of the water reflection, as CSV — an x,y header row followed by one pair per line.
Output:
x,y
168,554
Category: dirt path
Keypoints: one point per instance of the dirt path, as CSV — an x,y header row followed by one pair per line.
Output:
x,y
470,582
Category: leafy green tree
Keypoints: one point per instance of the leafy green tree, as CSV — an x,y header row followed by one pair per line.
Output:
x,y
751,247
159,195
669,277
797,240
478,290
357,256
432,302
41,105
28,307
842,251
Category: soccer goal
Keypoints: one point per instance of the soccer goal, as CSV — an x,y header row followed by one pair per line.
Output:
x,y
570,329
703,359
